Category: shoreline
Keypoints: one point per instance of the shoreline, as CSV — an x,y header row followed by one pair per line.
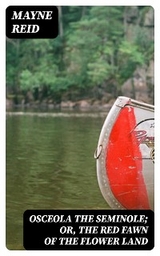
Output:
x,y
64,106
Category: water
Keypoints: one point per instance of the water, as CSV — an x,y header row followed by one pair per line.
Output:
x,y
50,165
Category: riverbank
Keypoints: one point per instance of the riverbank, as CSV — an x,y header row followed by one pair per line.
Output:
x,y
81,105
138,87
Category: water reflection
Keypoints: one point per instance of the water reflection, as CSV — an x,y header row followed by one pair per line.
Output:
x,y
50,165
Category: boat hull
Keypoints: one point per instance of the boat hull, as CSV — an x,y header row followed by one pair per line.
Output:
x,y
125,155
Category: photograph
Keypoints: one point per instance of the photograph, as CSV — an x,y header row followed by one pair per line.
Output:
x,y
79,112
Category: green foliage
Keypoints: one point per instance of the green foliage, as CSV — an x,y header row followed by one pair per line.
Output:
x,y
99,71
92,50
27,80
129,51
129,58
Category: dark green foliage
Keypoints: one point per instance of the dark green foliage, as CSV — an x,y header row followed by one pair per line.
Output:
x,y
94,50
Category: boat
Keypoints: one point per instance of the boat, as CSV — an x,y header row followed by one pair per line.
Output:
x,y
125,155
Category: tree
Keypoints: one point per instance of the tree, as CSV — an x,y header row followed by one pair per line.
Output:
x,y
97,50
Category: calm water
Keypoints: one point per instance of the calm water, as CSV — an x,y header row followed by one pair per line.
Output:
x,y
50,165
